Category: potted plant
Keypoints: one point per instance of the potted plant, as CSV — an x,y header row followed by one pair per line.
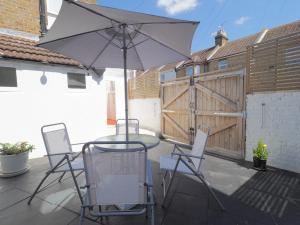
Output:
x,y
14,158
260,155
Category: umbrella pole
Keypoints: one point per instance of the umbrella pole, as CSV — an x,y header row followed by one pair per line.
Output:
x,y
125,78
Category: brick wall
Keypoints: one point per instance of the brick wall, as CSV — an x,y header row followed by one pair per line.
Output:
x,y
145,85
274,117
22,15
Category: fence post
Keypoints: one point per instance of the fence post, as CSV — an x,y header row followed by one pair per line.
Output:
x,y
192,94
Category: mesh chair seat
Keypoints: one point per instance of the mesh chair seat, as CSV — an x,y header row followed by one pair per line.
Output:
x,y
76,164
121,178
60,155
186,163
169,163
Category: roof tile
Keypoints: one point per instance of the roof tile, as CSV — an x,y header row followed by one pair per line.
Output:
x,y
21,48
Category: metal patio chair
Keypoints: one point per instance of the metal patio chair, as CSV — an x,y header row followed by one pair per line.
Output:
x,y
115,178
60,155
133,126
186,163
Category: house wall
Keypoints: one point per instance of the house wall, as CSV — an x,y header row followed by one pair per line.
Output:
x,y
147,111
233,61
274,117
21,15
145,85
29,106
182,73
53,7
24,15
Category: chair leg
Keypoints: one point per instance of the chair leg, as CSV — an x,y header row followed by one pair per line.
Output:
x,y
79,173
171,181
82,214
206,184
74,179
61,177
152,207
211,191
38,187
47,174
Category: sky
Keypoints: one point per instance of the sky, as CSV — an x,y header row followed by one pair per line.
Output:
x,y
238,18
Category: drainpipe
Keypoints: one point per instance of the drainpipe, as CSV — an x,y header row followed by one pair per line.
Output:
x,y
43,24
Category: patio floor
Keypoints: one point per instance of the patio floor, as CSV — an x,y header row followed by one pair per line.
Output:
x,y
251,197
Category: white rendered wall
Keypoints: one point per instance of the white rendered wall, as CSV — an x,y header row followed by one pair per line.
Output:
x,y
275,117
25,109
147,111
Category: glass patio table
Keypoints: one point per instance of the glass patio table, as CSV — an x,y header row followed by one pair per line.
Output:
x,y
148,140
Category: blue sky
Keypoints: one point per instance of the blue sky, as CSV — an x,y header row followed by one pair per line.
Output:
x,y
238,17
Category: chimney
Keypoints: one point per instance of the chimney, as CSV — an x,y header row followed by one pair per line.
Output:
x,y
221,38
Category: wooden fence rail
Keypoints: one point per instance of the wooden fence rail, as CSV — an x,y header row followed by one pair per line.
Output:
x,y
274,65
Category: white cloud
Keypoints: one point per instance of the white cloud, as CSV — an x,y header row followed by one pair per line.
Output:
x,y
213,34
241,20
220,1
177,6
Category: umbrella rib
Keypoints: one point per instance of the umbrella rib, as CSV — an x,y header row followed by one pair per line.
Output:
x,y
141,42
100,53
92,11
75,35
109,40
131,40
178,22
163,44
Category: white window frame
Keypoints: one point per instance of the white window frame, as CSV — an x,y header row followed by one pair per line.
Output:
x,y
77,89
186,70
163,73
223,64
11,89
195,69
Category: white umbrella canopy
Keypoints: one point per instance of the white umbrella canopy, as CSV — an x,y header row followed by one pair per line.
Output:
x,y
101,37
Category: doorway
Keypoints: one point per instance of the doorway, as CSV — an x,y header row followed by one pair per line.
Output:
x,y
111,102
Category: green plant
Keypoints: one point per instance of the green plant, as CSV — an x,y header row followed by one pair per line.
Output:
x,y
261,150
17,148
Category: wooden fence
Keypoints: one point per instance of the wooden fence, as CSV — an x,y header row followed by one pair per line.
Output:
x,y
212,100
274,65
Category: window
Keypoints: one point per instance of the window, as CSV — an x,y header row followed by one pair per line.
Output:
x,y
167,75
76,81
197,69
223,64
189,71
8,77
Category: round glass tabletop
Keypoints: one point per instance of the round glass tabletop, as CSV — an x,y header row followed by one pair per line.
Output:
x,y
148,140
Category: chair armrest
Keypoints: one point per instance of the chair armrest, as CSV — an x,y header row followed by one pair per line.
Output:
x,y
78,143
187,155
181,145
85,186
63,153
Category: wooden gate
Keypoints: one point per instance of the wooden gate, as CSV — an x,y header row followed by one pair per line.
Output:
x,y
213,100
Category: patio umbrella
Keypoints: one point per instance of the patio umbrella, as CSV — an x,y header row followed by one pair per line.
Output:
x,y
102,37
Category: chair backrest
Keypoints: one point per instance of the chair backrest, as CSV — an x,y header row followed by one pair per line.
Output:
x,y
133,126
115,177
56,140
199,147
